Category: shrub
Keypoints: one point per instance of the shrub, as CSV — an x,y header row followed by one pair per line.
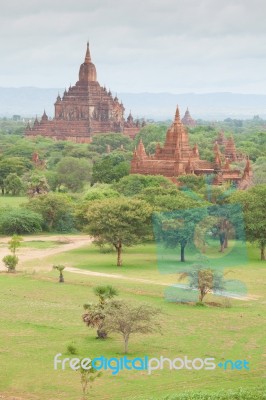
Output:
x,y
10,262
16,221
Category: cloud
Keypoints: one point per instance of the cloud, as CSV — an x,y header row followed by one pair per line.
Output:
x,y
145,45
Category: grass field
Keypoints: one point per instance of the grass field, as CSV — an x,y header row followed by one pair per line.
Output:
x,y
40,318
12,201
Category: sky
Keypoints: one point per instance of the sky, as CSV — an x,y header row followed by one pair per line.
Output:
x,y
176,46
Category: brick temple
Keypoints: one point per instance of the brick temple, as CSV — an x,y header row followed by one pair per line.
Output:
x,y
229,147
177,158
84,110
187,120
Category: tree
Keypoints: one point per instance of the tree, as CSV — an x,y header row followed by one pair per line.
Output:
x,y
253,202
60,268
87,377
114,140
105,293
120,222
56,210
10,262
19,221
177,228
73,173
12,165
14,243
126,320
110,168
95,313
13,184
37,185
204,280
134,184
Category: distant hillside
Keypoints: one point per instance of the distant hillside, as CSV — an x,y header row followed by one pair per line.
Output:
x,y
29,101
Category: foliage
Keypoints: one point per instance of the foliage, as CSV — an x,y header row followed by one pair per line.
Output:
x,y
231,394
87,377
10,262
133,184
100,192
176,228
37,185
203,279
13,184
105,293
56,210
126,320
253,201
96,313
14,243
60,269
110,168
114,140
73,173
191,181
19,221
120,222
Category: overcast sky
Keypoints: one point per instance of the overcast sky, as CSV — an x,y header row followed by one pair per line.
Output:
x,y
172,46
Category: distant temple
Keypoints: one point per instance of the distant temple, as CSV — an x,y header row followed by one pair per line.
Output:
x,y
177,158
187,120
229,147
84,110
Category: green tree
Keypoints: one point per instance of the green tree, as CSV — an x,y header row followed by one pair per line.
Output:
x,y
203,279
73,173
95,313
37,185
134,184
253,201
114,140
120,222
110,168
60,269
14,243
105,293
56,210
10,262
19,221
127,320
13,184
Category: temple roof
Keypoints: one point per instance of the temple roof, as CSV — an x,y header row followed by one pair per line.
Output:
x,y
87,71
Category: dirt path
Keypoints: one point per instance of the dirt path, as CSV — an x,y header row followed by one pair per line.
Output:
x,y
65,243
71,242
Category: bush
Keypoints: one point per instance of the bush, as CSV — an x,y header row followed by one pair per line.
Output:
x,y
237,394
16,221
10,262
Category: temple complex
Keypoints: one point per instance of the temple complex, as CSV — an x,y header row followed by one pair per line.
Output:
x,y
177,158
187,120
84,110
229,147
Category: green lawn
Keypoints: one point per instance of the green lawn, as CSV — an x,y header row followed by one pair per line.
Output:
x,y
12,201
40,318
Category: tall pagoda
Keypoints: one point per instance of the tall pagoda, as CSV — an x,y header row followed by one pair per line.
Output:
x,y
84,110
177,158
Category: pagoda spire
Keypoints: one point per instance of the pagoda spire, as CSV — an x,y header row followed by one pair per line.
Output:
x,y
177,115
88,54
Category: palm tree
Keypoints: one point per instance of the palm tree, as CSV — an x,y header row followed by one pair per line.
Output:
x,y
105,293
60,268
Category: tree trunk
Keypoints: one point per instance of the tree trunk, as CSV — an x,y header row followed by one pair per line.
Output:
x,y
126,344
61,278
183,253
262,252
119,254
